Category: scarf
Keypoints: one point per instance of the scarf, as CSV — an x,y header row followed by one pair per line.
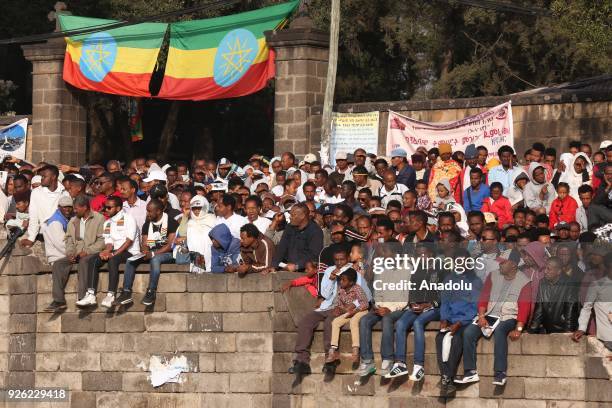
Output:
x,y
160,236
575,180
198,228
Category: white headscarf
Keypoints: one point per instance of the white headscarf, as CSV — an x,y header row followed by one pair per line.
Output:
x,y
198,228
462,225
574,179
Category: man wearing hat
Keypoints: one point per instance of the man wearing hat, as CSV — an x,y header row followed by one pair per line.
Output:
x,y
471,162
404,172
343,170
54,230
361,179
445,168
158,177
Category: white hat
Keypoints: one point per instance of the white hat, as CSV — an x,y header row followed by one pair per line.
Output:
x,y
341,156
309,158
604,145
36,179
155,175
77,175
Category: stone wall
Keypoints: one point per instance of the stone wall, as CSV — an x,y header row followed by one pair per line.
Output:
x,y
238,336
551,118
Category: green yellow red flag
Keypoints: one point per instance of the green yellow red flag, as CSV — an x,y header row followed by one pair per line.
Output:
x,y
222,57
117,61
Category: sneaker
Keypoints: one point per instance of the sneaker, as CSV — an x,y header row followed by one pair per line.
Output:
x,y
468,378
300,368
108,300
56,307
332,356
366,368
385,367
398,370
500,378
88,300
418,373
149,298
125,298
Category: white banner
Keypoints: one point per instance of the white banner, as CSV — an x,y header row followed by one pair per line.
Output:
x,y
13,139
491,128
351,131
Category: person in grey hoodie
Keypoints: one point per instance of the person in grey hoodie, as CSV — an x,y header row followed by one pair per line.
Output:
x,y
538,193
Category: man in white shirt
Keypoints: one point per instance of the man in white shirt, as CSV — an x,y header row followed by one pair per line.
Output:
x,y
121,239
132,205
54,230
225,215
391,190
252,208
43,202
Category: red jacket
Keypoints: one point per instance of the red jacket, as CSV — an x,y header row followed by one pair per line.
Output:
x,y
562,210
500,207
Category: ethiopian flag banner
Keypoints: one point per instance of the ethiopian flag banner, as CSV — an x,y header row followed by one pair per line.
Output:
x,y
117,61
222,57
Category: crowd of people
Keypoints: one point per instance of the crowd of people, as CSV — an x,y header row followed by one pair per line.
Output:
x,y
540,223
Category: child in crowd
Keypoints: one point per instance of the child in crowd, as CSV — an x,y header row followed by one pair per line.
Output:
x,y
352,304
309,281
409,199
22,205
498,205
443,195
423,201
564,207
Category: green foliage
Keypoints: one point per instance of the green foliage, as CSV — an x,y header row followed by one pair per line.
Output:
x,y
397,49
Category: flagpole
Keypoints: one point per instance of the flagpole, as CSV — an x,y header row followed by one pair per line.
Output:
x,y
330,84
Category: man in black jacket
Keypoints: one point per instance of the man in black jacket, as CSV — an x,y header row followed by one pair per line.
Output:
x,y
302,241
557,305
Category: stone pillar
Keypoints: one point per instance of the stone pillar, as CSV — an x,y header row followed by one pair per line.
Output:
x,y
301,68
59,118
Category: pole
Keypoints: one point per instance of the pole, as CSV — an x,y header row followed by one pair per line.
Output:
x,y
330,83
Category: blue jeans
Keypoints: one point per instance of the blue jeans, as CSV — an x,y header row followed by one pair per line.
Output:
x,y
500,346
155,270
418,323
366,324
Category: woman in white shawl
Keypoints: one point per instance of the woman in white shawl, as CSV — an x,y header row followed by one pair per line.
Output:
x,y
578,172
457,209
538,193
199,225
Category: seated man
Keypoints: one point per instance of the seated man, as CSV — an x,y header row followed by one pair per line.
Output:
x,y
598,299
256,251
506,295
225,250
54,230
324,312
122,240
158,234
557,305
83,242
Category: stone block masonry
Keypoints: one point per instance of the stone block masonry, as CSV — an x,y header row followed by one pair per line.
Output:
x,y
238,336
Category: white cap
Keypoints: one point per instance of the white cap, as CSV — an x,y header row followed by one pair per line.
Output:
x,y
341,156
36,179
310,157
604,145
155,175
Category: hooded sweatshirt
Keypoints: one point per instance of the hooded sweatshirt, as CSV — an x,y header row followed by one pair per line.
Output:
x,y
229,251
538,252
531,193
448,199
574,179
500,207
515,193
562,210
198,229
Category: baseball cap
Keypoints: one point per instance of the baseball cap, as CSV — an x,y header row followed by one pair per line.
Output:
x,y
604,145
399,152
155,175
309,158
470,151
65,201
326,209
511,255
341,156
